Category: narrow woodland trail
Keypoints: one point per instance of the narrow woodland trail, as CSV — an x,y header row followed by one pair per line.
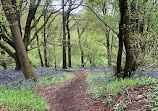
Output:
x,y
71,95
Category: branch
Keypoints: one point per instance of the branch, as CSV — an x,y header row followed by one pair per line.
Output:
x,y
30,17
42,27
4,37
77,5
101,20
149,53
146,56
6,49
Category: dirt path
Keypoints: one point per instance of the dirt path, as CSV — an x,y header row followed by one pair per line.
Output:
x,y
71,95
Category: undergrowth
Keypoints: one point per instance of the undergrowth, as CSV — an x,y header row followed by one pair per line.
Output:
x,y
152,99
19,94
102,82
20,100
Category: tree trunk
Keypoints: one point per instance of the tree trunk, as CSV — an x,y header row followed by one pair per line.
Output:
x,y
3,54
108,47
134,17
112,41
17,40
3,61
55,63
81,49
12,54
134,28
119,54
69,44
18,66
64,37
39,51
130,58
31,15
45,44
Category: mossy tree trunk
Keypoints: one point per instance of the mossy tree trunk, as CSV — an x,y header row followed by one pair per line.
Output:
x,y
125,25
3,62
17,40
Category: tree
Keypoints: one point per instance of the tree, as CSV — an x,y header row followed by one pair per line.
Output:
x,y
45,41
27,21
102,13
79,38
39,51
68,31
124,37
17,40
64,35
68,13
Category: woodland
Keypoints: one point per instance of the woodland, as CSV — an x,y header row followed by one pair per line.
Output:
x,y
52,51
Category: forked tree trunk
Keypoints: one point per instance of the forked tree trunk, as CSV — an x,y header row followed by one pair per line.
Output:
x,y
130,58
17,40
119,55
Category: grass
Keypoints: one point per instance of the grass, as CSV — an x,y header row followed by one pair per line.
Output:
x,y
21,99
102,82
17,93
54,79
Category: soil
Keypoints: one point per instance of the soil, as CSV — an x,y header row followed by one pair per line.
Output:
x,y
133,98
73,96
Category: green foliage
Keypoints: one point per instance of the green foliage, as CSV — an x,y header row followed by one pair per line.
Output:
x,y
114,86
54,79
21,99
25,95
152,99
118,86
119,107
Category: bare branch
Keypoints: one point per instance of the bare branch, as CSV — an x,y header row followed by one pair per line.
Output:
x,y
106,24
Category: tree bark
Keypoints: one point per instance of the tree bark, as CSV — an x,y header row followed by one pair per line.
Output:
x,y
69,44
68,32
31,15
104,10
108,47
55,62
3,61
119,54
130,58
64,36
45,44
18,66
81,49
12,54
17,40
39,51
